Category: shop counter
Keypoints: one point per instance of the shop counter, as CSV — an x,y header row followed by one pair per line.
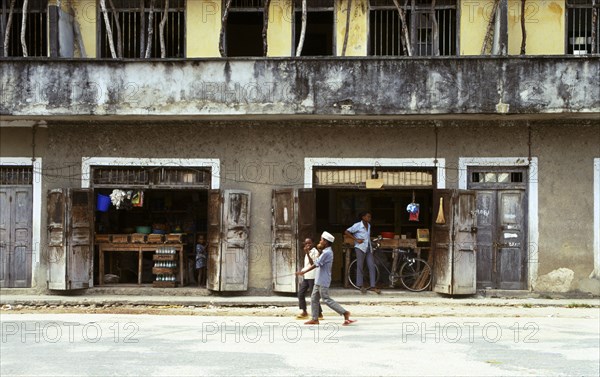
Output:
x,y
139,248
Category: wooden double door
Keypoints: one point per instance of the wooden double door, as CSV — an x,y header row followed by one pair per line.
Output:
x,y
501,237
16,214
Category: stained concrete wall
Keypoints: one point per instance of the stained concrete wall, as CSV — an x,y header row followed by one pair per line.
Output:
x,y
324,87
261,156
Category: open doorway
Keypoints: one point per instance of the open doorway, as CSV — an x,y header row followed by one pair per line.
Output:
x,y
338,208
148,224
166,217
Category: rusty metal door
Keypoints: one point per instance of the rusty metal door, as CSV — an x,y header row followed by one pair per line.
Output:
x,y
454,242
284,254
70,248
235,240
16,212
501,239
213,268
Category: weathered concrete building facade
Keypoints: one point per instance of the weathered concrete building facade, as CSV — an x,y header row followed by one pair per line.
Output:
x,y
256,152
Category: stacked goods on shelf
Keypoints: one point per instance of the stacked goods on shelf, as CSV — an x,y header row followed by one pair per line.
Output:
x,y
165,267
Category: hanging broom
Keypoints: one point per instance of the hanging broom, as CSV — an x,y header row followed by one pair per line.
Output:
x,y
440,217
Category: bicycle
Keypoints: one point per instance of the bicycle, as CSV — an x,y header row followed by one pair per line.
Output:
x,y
414,273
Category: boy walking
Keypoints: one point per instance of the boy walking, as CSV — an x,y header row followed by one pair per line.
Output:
x,y
310,254
323,265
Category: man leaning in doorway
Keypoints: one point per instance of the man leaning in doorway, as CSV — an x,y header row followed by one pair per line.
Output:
x,y
361,234
320,291
307,285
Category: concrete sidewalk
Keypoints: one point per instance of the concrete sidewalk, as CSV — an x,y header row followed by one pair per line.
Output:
x,y
200,298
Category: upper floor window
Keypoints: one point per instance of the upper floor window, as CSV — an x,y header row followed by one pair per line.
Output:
x,y
418,30
319,33
244,27
583,27
23,31
141,28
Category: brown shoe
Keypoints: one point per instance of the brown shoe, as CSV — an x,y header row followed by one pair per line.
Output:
x,y
376,290
311,322
321,316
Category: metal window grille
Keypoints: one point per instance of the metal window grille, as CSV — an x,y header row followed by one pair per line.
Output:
x,y
582,19
315,5
385,28
134,18
150,177
497,177
320,29
357,177
36,32
16,175
247,4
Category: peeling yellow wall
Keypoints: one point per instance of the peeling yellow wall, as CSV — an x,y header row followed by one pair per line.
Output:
x,y
279,34
203,27
359,23
544,25
85,15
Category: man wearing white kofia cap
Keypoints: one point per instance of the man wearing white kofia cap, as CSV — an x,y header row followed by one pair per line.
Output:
x,y
320,291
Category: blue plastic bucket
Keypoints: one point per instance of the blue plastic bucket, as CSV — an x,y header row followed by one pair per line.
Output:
x,y
103,203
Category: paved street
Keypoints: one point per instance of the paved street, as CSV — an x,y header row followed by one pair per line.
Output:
x,y
565,342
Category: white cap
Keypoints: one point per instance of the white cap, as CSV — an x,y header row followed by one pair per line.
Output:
x,y
327,236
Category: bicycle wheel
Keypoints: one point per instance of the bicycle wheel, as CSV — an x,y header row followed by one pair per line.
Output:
x,y
415,275
352,274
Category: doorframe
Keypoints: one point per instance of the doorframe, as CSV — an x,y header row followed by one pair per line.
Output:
x,y
36,164
88,162
213,163
311,162
596,272
532,201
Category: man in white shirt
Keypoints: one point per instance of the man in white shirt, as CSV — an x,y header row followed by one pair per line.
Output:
x,y
310,254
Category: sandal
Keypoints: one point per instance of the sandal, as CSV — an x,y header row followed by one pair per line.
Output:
x,y
348,322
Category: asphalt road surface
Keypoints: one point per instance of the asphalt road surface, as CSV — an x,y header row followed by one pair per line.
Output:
x,y
181,345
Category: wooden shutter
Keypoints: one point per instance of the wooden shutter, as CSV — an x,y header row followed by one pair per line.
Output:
x,y
284,241
307,222
70,248
465,244
442,241
57,243
80,249
215,211
454,243
235,240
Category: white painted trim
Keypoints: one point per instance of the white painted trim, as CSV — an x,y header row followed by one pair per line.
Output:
x,y
311,162
532,194
36,235
213,163
596,273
